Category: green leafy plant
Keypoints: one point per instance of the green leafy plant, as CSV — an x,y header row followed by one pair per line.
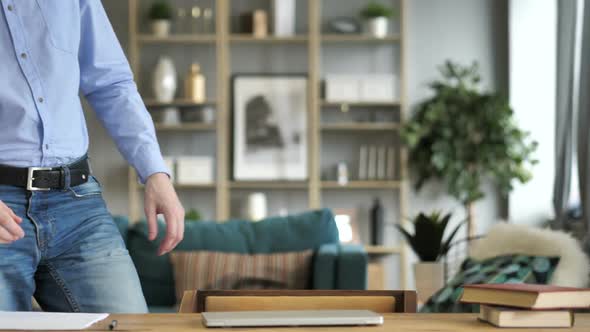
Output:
x,y
427,240
192,215
375,9
161,10
463,137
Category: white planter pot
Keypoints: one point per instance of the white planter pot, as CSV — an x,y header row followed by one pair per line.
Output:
x,y
378,27
164,80
161,28
429,277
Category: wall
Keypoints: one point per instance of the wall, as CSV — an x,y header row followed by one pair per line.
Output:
x,y
462,30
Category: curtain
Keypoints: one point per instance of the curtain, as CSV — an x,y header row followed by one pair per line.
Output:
x,y
573,107
564,138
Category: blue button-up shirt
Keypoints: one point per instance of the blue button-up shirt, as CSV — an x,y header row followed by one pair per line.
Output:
x,y
51,51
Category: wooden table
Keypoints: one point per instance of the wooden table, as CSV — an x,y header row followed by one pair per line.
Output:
x,y
393,323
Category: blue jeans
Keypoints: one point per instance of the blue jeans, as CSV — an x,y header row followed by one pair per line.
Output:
x,y
72,258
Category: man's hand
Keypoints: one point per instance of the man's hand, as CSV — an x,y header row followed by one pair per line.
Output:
x,y
160,198
10,229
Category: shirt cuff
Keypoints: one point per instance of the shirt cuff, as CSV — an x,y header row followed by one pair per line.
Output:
x,y
147,164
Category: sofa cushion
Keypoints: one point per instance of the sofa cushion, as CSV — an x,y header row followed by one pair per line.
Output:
x,y
300,232
496,270
219,270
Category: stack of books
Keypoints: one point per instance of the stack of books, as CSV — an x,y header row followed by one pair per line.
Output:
x,y
526,305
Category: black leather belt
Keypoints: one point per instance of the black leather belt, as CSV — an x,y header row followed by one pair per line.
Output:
x,y
46,178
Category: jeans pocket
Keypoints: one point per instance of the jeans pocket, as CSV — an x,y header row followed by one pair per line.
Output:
x,y
89,189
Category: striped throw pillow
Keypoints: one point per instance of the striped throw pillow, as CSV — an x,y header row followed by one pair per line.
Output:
x,y
220,270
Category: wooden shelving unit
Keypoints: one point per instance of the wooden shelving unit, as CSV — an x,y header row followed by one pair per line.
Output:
x,y
360,126
186,127
245,38
177,39
328,38
313,41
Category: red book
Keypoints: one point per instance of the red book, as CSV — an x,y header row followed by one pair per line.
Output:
x,y
527,296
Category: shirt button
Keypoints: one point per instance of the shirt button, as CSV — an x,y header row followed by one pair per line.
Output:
x,y
41,100
23,55
10,8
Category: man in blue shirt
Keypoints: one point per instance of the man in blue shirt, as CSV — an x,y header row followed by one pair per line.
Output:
x,y
58,242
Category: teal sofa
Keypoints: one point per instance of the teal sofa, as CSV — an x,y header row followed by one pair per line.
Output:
x,y
335,266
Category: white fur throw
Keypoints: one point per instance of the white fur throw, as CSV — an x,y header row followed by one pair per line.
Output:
x,y
505,239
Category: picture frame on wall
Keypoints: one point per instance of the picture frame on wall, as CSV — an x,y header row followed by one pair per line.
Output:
x,y
269,113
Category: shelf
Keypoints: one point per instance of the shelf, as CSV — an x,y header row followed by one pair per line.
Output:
x,y
358,38
248,38
376,184
341,104
186,127
382,250
268,185
359,126
178,39
195,186
178,102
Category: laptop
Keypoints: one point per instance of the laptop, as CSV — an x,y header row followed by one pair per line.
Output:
x,y
291,318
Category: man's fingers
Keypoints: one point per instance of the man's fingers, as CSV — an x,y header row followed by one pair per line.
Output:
x,y
6,237
172,230
11,226
150,214
15,217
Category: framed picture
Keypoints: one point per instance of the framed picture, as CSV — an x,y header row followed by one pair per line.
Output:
x,y
269,127
347,225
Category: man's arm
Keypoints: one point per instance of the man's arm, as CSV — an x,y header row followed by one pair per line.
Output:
x,y
107,82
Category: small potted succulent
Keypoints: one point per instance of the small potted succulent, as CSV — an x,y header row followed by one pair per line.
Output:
x,y
160,15
428,244
377,17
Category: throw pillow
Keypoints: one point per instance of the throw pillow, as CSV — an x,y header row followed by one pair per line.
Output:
x,y
496,270
220,270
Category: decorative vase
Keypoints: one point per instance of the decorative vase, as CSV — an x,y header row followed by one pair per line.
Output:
x,y
377,223
164,80
429,277
170,116
195,84
284,17
378,27
257,206
161,28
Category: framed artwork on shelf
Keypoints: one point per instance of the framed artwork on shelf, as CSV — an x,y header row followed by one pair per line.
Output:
x,y
269,127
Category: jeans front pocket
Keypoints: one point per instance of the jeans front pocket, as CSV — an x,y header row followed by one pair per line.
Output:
x,y
62,20
89,189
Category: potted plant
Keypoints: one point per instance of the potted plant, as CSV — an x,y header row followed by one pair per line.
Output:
x,y
428,244
160,15
464,137
377,17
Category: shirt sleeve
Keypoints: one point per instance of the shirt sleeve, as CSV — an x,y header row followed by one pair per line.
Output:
x,y
107,83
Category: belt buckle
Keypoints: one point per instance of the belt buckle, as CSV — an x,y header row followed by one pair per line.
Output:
x,y
30,178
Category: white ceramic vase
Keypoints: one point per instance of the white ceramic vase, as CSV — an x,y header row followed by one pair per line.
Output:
x,y
429,277
284,18
161,28
257,206
378,27
164,80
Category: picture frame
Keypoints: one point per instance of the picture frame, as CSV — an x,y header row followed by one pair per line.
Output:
x,y
269,121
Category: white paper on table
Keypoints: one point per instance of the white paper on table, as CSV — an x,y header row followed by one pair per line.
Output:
x,y
47,320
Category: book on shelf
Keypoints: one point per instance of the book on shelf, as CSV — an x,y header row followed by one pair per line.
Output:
x,y
527,296
381,162
390,163
372,163
511,317
363,155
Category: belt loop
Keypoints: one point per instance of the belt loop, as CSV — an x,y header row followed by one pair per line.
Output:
x,y
66,179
